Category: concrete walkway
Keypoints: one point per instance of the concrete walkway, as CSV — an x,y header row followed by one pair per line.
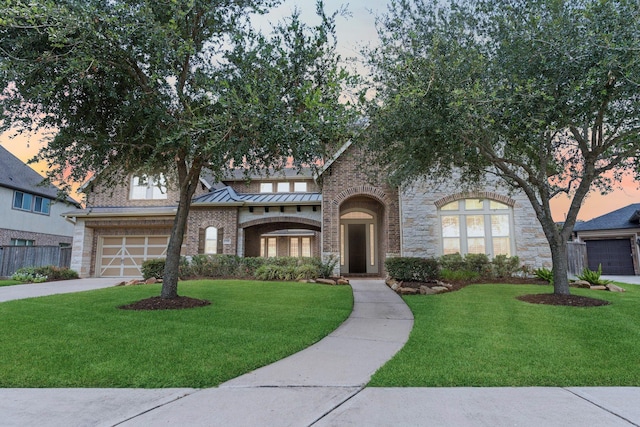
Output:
x,y
324,386
31,290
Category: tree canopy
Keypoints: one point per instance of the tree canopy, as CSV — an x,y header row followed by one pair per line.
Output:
x,y
171,87
544,94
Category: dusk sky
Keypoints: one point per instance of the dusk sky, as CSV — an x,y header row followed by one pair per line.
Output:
x,y
353,33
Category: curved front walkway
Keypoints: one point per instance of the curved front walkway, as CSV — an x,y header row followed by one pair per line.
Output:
x,y
298,390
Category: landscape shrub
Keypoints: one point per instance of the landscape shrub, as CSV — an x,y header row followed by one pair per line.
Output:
x,y
43,274
504,266
306,272
453,262
28,275
56,273
479,263
153,268
593,277
213,265
325,268
544,274
459,275
413,269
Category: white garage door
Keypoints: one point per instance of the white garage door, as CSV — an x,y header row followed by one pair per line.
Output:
x,y
122,256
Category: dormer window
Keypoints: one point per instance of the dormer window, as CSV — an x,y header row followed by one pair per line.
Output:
x,y
300,187
145,187
283,187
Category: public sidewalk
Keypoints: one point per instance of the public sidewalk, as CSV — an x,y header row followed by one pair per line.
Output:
x,y
324,386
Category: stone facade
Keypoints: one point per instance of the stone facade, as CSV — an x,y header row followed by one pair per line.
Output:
x,y
421,225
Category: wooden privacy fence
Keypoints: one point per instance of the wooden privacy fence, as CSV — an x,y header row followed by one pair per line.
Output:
x,y
15,257
576,257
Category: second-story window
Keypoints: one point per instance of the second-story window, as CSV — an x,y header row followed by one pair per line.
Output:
x,y
145,187
300,187
283,187
266,187
29,202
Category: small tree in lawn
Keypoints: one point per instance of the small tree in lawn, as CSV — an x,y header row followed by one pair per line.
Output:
x,y
544,94
170,87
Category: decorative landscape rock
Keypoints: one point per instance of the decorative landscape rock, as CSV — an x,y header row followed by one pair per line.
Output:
x,y
425,290
408,291
615,288
599,288
343,281
580,284
326,281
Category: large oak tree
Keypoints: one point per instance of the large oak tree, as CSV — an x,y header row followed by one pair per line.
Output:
x,y
544,94
170,87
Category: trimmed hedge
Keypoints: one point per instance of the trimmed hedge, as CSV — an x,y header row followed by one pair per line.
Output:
x,y
231,266
413,269
452,267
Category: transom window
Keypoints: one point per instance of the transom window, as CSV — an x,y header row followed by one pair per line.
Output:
x,y
31,203
476,226
146,187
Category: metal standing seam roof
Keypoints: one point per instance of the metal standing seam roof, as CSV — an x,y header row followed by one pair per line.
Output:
x,y
627,217
228,196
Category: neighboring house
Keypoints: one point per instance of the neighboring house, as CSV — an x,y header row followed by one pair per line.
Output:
x,y
30,212
341,212
612,241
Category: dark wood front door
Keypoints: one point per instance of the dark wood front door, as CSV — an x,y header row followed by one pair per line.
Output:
x,y
357,248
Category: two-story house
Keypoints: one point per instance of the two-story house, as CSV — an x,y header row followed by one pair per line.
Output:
x,y
341,212
31,213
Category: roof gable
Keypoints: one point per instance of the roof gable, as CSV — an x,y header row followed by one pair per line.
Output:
x,y
16,175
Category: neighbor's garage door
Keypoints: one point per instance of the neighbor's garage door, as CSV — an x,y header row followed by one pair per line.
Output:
x,y
122,256
614,255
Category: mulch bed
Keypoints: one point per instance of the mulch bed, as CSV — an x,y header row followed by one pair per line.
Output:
x,y
555,299
158,303
549,299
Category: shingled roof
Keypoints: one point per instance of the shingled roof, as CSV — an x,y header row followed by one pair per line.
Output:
x,y
16,175
627,217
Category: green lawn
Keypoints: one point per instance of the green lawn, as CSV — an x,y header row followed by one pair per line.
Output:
x,y
83,340
482,336
9,282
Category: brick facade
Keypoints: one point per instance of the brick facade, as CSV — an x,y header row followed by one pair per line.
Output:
x,y
406,222
348,184
40,239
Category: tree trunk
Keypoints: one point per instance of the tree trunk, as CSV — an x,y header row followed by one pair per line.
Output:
x,y
560,267
172,263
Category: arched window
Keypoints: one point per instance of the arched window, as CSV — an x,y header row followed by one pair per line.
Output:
x,y
211,240
477,226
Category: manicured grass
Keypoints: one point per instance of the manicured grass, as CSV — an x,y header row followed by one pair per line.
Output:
x,y
482,336
9,282
83,340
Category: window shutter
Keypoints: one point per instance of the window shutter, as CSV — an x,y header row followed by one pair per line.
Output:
x,y
219,248
201,240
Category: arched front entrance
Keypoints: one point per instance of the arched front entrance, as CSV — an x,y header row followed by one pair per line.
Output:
x,y
360,236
